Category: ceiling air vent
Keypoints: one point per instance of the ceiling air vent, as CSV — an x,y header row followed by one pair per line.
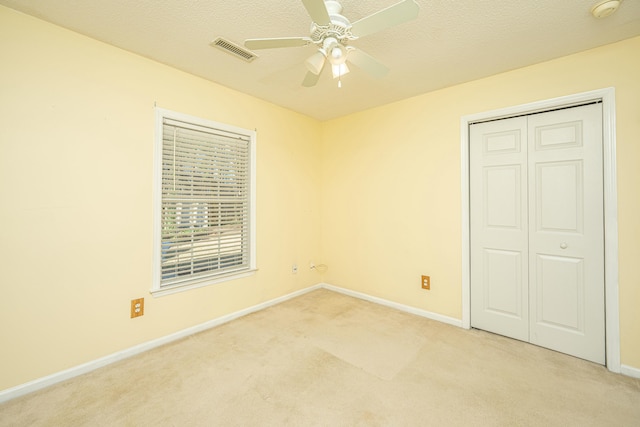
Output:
x,y
234,49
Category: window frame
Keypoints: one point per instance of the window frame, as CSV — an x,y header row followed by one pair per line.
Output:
x,y
157,288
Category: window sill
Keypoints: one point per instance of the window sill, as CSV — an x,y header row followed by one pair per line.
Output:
x,y
181,287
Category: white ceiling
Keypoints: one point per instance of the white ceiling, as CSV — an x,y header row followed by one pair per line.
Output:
x,y
451,42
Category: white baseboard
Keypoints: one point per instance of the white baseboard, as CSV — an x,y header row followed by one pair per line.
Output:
x,y
40,383
630,371
398,306
75,371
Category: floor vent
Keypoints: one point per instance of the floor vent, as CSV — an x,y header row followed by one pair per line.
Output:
x,y
234,49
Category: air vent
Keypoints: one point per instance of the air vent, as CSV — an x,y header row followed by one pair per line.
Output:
x,y
234,49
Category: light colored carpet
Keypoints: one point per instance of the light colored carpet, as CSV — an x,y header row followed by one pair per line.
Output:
x,y
325,359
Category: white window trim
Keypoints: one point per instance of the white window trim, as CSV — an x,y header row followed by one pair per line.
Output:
x,y
156,289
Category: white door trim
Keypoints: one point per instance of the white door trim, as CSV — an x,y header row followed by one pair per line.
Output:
x,y
607,96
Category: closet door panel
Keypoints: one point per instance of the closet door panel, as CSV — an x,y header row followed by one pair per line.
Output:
x,y
566,231
499,257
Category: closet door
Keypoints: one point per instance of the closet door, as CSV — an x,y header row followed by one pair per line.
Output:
x,y
537,230
566,232
499,228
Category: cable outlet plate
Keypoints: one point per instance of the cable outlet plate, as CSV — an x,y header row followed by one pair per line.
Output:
x,y
137,307
426,282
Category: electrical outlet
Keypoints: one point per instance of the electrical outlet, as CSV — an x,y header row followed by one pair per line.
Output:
x,y
426,282
137,307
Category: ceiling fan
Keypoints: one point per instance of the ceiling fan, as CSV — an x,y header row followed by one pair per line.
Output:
x,y
331,33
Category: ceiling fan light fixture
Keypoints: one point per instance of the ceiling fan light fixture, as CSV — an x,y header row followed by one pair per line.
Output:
x,y
605,8
339,70
337,54
315,63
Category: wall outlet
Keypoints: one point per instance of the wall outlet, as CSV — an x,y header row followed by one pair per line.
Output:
x,y
137,307
426,282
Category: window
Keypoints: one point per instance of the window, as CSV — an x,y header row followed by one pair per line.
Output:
x,y
204,202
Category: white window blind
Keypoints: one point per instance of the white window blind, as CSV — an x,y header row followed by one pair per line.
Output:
x,y
205,202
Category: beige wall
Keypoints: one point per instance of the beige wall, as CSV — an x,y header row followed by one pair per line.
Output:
x,y
374,195
391,195
76,157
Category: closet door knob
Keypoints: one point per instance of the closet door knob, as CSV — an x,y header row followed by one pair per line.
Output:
x,y
563,245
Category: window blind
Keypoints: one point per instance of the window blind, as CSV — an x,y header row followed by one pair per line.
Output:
x,y
205,197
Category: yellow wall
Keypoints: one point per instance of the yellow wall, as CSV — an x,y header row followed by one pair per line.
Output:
x,y
391,195
374,195
76,157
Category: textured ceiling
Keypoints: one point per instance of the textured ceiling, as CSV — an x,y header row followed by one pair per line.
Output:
x,y
451,42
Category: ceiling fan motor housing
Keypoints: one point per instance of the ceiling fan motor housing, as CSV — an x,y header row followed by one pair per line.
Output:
x,y
333,7
339,28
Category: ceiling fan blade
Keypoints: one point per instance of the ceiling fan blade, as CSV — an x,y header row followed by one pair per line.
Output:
x,y
317,11
367,63
310,79
276,42
393,15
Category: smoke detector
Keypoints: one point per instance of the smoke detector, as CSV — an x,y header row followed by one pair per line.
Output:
x,y
605,8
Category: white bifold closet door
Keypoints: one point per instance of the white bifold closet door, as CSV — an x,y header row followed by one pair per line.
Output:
x,y
537,230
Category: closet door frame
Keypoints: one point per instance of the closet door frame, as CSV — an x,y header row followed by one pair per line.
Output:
x,y
607,97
